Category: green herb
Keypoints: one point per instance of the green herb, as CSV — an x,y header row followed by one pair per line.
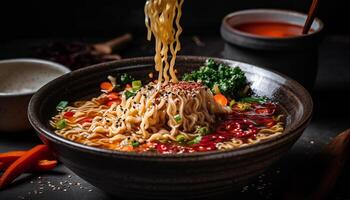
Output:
x,y
196,140
203,130
61,124
126,78
180,138
230,81
135,143
129,94
136,85
254,99
177,118
61,105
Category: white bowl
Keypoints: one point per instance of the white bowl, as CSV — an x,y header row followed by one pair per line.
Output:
x,y
19,80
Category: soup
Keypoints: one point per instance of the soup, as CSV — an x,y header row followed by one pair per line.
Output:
x,y
271,29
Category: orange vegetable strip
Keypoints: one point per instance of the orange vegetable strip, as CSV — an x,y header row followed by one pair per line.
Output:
x,y
9,157
23,164
45,165
220,99
106,86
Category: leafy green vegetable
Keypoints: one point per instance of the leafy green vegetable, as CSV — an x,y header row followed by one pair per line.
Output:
x,y
196,140
61,105
135,143
231,81
253,99
126,78
177,118
61,124
129,94
136,85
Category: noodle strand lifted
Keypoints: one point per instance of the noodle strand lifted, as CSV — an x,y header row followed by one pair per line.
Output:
x,y
159,20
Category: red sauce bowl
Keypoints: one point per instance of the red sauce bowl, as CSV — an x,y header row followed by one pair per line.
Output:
x,y
272,38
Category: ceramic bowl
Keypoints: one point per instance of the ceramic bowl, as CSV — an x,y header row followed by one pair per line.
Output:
x,y
295,56
20,79
168,176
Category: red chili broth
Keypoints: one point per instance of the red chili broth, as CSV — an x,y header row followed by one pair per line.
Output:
x,y
271,29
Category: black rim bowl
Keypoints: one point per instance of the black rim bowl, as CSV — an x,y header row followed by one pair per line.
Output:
x,y
84,83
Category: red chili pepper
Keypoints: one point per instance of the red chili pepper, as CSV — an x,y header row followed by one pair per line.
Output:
x,y
85,120
68,114
24,164
113,96
117,101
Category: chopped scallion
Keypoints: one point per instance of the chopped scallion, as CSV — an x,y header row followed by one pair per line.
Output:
x,y
180,138
177,118
61,105
136,85
61,124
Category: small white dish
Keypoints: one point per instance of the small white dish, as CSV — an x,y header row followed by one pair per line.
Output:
x,y
19,80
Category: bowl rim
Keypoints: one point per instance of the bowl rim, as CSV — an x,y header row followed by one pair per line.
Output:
x,y
47,63
269,10
47,133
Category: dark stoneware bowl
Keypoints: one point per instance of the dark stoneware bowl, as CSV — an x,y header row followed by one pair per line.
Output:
x,y
146,175
295,56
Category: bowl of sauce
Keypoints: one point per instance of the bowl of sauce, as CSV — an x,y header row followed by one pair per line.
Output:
x,y
273,39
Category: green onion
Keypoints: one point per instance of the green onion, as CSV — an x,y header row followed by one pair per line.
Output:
x,y
216,89
196,140
61,124
232,102
254,99
180,138
129,94
203,130
135,143
136,85
177,118
61,105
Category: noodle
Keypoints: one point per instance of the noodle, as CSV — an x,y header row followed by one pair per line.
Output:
x,y
159,20
160,112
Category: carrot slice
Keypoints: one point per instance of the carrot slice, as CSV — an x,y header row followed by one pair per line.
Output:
x,y
23,164
221,99
106,86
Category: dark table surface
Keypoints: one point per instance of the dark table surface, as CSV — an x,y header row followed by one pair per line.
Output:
x,y
330,118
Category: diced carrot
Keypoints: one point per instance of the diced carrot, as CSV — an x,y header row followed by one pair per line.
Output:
x,y
117,101
220,99
68,114
23,164
113,96
107,86
128,148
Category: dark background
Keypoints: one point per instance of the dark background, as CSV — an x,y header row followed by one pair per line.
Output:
x,y
26,24
24,19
